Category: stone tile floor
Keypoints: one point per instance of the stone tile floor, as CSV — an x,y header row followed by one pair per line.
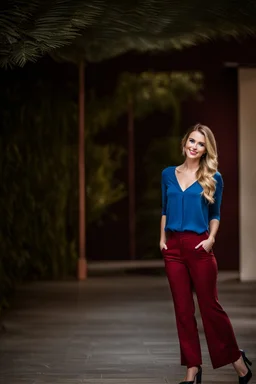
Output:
x,y
111,330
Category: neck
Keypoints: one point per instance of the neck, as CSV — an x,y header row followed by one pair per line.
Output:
x,y
190,165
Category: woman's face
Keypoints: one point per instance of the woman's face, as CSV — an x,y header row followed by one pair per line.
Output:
x,y
195,145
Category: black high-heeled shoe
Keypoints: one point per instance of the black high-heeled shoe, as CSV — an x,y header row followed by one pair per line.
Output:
x,y
198,377
245,379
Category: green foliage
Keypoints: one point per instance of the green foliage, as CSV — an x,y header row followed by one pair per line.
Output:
x,y
100,29
101,192
162,152
150,91
39,178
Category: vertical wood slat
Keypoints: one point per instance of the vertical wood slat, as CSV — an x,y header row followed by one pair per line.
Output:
x,y
131,181
82,265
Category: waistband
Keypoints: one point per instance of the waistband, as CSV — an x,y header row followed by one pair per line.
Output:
x,y
185,233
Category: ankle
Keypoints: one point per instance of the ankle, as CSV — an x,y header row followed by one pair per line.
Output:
x,y
194,368
240,367
191,373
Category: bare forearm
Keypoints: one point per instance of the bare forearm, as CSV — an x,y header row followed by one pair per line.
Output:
x,y
213,227
162,231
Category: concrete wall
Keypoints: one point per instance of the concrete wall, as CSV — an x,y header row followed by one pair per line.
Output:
x,y
247,173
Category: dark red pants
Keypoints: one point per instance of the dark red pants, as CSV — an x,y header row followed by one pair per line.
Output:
x,y
188,268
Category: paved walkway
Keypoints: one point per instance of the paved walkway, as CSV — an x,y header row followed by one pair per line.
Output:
x,y
110,330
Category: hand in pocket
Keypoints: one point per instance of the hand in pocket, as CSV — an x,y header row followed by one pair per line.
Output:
x,y
206,244
162,246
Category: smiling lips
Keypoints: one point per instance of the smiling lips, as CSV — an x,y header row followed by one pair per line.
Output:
x,y
192,152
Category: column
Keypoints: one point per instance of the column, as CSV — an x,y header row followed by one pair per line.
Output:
x,y
247,172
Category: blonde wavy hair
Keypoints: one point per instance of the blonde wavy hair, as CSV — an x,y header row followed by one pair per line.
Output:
x,y
208,163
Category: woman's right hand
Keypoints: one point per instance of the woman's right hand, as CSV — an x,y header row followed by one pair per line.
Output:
x,y
162,245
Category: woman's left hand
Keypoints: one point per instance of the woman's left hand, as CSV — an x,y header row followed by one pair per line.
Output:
x,y
206,244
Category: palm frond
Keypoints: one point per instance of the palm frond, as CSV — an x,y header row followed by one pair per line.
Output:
x,y
100,29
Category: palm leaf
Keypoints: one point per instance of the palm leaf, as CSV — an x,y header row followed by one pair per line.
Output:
x,y
99,29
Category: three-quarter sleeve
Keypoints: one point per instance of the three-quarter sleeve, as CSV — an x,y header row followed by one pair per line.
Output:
x,y
214,209
164,194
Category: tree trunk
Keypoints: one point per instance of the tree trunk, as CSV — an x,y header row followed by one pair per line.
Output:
x,y
82,265
131,181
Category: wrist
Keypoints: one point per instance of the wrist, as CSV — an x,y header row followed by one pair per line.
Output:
x,y
212,238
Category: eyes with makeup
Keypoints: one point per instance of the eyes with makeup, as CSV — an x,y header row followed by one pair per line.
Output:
x,y
192,141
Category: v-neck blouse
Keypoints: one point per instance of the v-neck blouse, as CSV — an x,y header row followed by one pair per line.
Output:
x,y
188,210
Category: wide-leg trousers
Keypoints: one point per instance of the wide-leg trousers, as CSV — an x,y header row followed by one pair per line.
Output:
x,y
189,269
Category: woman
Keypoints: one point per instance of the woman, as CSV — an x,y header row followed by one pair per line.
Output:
x,y
191,199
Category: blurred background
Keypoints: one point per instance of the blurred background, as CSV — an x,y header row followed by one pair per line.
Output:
x,y
95,98
134,89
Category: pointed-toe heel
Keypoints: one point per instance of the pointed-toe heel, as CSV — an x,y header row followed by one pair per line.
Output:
x,y
245,379
198,378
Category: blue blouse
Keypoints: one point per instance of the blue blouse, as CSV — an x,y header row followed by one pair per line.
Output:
x,y
187,210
